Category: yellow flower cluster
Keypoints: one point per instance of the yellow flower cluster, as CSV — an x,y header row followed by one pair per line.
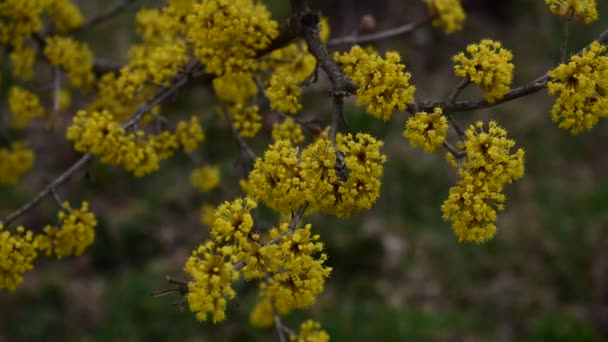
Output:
x,y
298,274
24,106
247,120
189,134
449,14
17,252
14,162
20,19
157,26
290,266
75,233
285,180
99,134
289,130
427,131
212,270
284,93
232,221
156,64
293,60
73,57
205,178
383,83
227,33
206,214
472,204
489,66
235,88
310,331
581,10
277,179
65,14
22,60
582,89
262,315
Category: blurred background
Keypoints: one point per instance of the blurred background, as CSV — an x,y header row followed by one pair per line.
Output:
x,y
399,272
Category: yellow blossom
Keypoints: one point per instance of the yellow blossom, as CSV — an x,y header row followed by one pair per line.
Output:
x,y
227,33
426,131
276,179
213,274
284,93
22,59
582,89
17,252
288,129
73,57
449,14
247,120
298,273
294,60
99,134
233,220
74,234
472,204
205,178
235,88
581,10
24,106
15,161
189,134
383,83
324,29
65,14
23,20
262,315
310,331
339,190
489,66
206,216
157,26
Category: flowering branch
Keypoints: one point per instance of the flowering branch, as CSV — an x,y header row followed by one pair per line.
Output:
x,y
527,89
66,175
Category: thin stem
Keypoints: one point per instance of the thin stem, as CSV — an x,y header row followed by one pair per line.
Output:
x,y
297,217
459,88
372,37
277,322
457,154
105,16
56,89
58,200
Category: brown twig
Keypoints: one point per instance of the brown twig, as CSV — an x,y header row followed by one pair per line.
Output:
x,y
341,84
105,16
372,37
277,322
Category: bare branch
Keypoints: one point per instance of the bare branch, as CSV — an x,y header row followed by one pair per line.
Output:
x,y
341,84
104,16
372,37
